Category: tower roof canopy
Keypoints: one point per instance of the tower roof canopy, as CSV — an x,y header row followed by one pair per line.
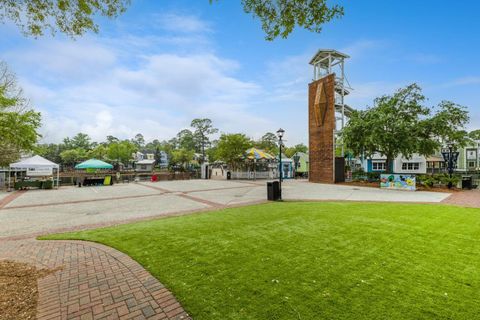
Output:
x,y
323,53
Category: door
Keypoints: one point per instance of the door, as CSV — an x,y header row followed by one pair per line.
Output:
x,y
286,170
339,169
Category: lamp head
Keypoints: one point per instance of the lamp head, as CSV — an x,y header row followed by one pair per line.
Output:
x,y
280,133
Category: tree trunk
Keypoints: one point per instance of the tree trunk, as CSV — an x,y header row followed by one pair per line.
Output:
x,y
388,167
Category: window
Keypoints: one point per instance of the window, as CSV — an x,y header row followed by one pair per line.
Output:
x,y
143,167
411,166
378,166
471,154
471,164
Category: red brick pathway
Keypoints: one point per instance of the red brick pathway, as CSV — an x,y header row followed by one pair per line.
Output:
x,y
12,196
92,281
470,198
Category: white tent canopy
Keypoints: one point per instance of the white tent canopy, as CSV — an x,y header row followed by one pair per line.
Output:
x,y
35,163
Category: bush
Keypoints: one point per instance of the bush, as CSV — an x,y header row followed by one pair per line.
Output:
x,y
446,180
359,175
439,178
373,176
427,180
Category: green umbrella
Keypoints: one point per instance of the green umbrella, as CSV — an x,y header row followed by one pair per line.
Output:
x,y
93,164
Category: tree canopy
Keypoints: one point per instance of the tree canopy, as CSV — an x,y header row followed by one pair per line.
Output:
x,y
181,157
280,17
400,124
74,17
79,141
121,151
268,142
231,148
474,135
203,128
71,17
18,122
186,140
290,151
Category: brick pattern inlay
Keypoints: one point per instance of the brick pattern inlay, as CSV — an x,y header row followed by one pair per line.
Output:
x,y
470,198
92,281
321,153
11,197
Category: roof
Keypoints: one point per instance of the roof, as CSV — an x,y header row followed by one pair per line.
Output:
x,y
34,162
257,154
348,110
435,159
94,164
146,161
285,158
322,53
302,155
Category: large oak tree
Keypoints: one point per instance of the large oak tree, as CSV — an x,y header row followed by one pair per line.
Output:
x,y
400,124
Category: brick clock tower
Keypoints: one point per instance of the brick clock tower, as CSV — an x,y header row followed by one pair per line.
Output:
x,y
327,113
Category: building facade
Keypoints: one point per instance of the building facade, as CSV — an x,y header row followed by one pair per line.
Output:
x,y
469,158
303,164
417,164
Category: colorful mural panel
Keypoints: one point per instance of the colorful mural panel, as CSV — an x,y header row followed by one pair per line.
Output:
x,y
398,182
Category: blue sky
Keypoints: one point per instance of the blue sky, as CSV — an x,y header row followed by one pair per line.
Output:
x,y
166,62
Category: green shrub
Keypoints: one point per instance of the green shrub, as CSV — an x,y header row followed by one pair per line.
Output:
x,y
359,175
373,176
426,180
446,180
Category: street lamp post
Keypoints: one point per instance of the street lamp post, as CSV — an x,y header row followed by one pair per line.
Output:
x,y
280,133
451,159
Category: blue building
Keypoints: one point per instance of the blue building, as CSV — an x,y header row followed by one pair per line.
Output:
x,y
416,164
286,167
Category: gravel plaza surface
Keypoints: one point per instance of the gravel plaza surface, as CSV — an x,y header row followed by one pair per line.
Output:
x,y
34,212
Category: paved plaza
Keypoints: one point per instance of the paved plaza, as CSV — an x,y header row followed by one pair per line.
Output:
x,y
92,281
35,212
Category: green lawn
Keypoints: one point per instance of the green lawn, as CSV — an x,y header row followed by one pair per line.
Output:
x,y
312,260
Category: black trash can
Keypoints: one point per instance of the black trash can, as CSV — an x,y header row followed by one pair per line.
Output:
x,y
467,182
229,175
273,191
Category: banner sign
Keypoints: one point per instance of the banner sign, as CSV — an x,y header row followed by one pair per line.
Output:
x,y
455,156
398,182
446,156
39,172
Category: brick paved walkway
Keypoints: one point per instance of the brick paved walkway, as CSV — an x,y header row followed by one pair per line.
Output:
x,y
470,198
92,281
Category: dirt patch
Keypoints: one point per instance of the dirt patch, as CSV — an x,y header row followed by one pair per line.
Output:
x,y
18,290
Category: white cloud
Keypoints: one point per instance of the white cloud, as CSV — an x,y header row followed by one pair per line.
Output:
x,y
364,93
156,95
182,23
463,81
60,61
359,48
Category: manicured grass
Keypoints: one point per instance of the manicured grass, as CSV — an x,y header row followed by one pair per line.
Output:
x,y
312,260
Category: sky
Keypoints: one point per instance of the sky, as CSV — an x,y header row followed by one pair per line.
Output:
x,y
164,63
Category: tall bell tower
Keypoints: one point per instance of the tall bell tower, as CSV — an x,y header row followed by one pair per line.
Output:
x,y
328,113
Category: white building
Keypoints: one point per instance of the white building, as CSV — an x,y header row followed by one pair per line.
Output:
x,y
417,164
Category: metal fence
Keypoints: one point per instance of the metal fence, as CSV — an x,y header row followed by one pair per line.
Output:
x,y
252,175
